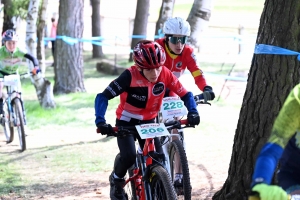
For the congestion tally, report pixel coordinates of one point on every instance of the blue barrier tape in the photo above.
(269, 49)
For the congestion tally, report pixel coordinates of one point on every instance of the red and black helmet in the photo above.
(148, 54)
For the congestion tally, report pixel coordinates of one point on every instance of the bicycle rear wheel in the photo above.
(19, 119)
(8, 128)
(161, 184)
(130, 186)
(177, 151)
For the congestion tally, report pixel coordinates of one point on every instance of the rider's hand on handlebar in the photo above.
(105, 129)
(270, 192)
(35, 70)
(193, 118)
(208, 93)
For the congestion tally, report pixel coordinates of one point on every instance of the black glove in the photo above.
(193, 118)
(105, 129)
(208, 93)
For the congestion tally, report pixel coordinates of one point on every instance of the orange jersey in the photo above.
(187, 59)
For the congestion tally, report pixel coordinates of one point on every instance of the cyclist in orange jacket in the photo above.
(179, 57)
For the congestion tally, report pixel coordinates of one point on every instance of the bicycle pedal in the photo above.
(179, 191)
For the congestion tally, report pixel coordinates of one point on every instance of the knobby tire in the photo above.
(130, 186)
(177, 146)
(19, 117)
(161, 184)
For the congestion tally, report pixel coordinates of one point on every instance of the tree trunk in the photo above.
(198, 18)
(40, 36)
(166, 11)
(96, 28)
(271, 78)
(140, 22)
(7, 20)
(68, 64)
(43, 87)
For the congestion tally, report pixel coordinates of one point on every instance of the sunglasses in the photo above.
(175, 40)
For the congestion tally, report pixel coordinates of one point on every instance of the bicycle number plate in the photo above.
(172, 107)
(152, 130)
(11, 80)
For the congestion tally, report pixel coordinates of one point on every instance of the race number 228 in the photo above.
(172, 105)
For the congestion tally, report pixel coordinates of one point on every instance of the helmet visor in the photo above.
(175, 40)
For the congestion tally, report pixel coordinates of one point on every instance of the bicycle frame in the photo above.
(144, 162)
(14, 114)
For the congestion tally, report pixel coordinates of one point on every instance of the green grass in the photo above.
(9, 177)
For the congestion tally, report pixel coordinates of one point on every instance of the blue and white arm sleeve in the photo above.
(266, 163)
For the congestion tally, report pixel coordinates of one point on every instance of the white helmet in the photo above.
(176, 26)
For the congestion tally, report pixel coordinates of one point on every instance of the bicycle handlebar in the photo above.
(199, 99)
(130, 129)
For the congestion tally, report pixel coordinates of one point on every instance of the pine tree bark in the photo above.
(198, 19)
(43, 86)
(166, 11)
(140, 22)
(7, 20)
(271, 78)
(40, 35)
(96, 28)
(68, 64)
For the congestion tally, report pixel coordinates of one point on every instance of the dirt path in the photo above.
(208, 151)
(208, 155)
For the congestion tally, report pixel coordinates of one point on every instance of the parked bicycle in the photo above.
(174, 145)
(148, 177)
(13, 110)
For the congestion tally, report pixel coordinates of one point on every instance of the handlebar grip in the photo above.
(184, 121)
(199, 97)
(114, 128)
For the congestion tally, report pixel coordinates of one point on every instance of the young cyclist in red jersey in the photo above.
(180, 56)
(141, 88)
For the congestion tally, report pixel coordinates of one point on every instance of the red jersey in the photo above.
(139, 98)
(187, 59)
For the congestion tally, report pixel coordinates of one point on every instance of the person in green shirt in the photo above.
(283, 147)
(11, 57)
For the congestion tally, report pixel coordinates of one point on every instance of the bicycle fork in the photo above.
(141, 161)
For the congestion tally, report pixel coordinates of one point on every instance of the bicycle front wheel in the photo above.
(161, 184)
(177, 152)
(19, 119)
(8, 127)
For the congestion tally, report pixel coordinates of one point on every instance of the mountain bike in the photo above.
(13, 110)
(148, 178)
(174, 145)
